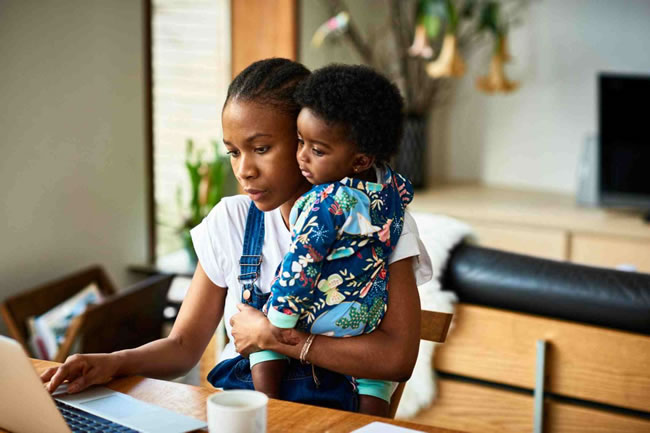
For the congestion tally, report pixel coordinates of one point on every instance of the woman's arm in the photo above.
(172, 356)
(388, 353)
(197, 320)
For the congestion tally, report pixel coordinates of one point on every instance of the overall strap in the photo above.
(251, 258)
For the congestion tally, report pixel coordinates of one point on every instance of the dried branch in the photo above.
(514, 9)
(352, 34)
(401, 46)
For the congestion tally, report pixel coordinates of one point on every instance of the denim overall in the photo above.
(333, 390)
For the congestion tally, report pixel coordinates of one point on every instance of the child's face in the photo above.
(325, 153)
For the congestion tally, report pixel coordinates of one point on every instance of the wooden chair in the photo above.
(123, 320)
(434, 326)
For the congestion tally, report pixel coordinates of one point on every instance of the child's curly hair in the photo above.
(360, 99)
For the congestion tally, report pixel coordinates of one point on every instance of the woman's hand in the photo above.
(249, 327)
(284, 335)
(81, 371)
(252, 332)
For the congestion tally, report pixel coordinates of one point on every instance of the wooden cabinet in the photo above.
(471, 407)
(542, 224)
(585, 362)
(608, 251)
(540, 242)
(597, 379)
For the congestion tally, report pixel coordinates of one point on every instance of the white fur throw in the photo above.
(439, 234)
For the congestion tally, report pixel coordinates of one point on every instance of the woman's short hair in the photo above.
(269, 82)
(360, 99)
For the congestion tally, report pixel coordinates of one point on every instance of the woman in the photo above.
(259, 125)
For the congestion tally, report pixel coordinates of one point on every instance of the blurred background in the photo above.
(100, 98)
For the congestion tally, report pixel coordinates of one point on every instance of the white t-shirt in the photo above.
(218, 241)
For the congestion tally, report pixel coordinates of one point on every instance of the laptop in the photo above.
(26, 406)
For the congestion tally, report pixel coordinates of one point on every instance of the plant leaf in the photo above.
(489, 19)
(452, 16)
(468, 10)
(432, 25)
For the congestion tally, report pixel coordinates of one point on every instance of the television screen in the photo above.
(624, 124)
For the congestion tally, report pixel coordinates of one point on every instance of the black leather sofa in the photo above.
(598, 296)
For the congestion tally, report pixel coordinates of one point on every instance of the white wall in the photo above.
(72, 147)
(533, 137)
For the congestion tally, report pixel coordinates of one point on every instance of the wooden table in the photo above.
(283, 416)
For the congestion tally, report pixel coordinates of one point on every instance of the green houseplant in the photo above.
(208, 185)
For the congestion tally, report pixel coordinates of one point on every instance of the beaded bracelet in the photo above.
(305, 348)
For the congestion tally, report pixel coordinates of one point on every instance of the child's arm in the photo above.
(267, 377)
(311, 242)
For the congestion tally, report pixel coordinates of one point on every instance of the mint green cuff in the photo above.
(382, 389)
(282, 320)
(263, 356)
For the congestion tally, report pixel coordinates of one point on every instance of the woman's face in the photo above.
(261, 141)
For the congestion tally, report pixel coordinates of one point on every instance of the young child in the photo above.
(333, 280)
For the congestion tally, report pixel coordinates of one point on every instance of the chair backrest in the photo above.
(434, 326)
(34, 302)
(123, 320)
(126, 320)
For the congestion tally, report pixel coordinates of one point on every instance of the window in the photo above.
(190, 76)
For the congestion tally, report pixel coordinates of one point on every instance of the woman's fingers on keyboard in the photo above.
(56, 380)
(47, 374)
(55, 376)
(79, 384)
(70, 370)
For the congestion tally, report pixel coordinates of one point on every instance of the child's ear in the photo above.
(362, 162)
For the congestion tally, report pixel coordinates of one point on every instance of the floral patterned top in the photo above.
(333, 279)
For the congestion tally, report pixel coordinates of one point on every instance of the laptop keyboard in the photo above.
(82, 421)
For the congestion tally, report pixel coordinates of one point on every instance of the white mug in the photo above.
(237, 411)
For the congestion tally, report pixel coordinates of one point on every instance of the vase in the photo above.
(409, 160)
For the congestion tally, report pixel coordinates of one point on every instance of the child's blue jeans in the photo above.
(334, 390)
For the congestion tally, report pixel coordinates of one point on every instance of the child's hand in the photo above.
(285, 336)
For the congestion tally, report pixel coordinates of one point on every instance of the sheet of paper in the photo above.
(382, 427)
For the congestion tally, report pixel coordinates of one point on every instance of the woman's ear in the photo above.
(362, 162)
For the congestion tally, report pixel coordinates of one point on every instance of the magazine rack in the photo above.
(123, 320)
